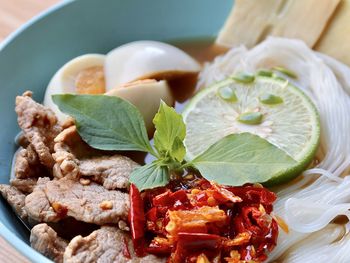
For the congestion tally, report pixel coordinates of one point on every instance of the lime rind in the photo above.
(205, 107)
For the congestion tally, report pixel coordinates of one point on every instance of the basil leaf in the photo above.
(105, 122)
(242, 158)
(150, 176)
(170, 133)
(178, 150)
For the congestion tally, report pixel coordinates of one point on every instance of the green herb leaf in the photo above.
(178, 150)
(251, 118)
(242, 158)
(170, 133)
(105, 122)
(150, 176)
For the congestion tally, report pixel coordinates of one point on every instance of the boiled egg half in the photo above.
(81, 75)
(147, 59)
(139, 72)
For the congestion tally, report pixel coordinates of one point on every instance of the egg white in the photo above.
(64, 79)
(142, 59)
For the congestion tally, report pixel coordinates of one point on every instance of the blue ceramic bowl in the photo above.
(30, 56)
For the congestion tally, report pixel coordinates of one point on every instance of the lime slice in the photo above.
(292, 124)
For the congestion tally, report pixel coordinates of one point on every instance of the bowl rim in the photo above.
(17, 243)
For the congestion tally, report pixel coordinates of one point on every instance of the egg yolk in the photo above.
(90, 81)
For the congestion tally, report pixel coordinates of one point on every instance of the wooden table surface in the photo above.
(13, 13)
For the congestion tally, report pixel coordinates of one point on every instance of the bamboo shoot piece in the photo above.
(336, 38)
(251, 21)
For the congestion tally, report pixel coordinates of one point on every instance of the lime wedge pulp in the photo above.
(291, 125)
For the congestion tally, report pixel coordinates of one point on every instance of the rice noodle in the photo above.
(310, 210)
(309, 204)
(327, 245)
(340, 70)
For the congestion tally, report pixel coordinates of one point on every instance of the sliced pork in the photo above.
(112, 172)
(39, 125)
(106, 245)
(92, 203)
(46, 241)
(26, 186)
(15, 198)
(75, 159)
(38, 206)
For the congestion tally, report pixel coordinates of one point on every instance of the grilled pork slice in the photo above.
(75, 159)
(15, 198)
(112, 172)
(54, 200)
(46, 241)
(105, 245)
(27, 163)
(26, 186)
(39, 125)
(38, 206)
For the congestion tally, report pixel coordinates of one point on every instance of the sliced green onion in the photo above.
(286, 72)
(227, 93)
(270, 99)
(243, 78)
(251, 118)
(264, 73)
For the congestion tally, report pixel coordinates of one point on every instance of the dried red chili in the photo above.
(194, 243)
(221, 223)
(137, 220)
(159, 249)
